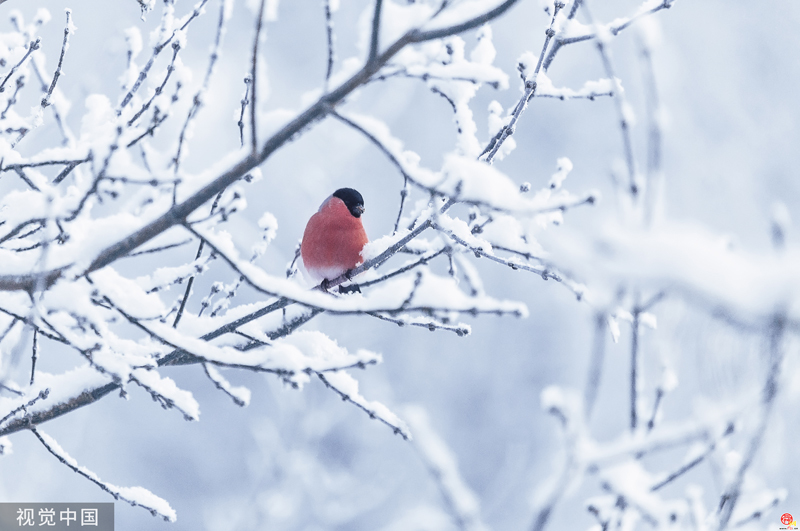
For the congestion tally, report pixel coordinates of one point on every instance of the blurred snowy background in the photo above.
(726, 73)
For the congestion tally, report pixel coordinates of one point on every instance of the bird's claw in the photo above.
(352, 288)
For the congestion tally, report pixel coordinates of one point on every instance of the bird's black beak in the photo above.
(358, 210)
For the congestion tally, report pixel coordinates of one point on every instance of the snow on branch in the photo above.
(431, 294)
(239, 395)
(569, 30)
(136, 496)
(347, 388)
(590, 89)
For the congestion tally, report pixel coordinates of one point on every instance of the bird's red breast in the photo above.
(332, 241)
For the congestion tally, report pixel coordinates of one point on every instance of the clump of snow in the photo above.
(590, 89)
(165, 387)
(564, 166)
(484, 52)
(133, 38)
(6, 447)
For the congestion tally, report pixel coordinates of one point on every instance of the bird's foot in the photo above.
(352, 288)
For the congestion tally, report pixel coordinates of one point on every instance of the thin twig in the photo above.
(330, 41)
(530, 90)
(372, 414)
(32, 47)
(683, 469)
(634, 383)
(403, 195)
(159, 249)
(595, 365)
(197, 101)
(68, 169)
(67, 460)
(622, 106)
(198, 9)
(545, 272)
(62, 125)
(43, 394)
(244, 102)
(460, 330)
(176, 47)
(57, 73)
(253, 77)
(654, 174)
(613, 29)
(13, 99)
(34, 354)
(422, 261)
(776, 351)
(27, 181)
(376, 30)
(222, 384)
(188, 290)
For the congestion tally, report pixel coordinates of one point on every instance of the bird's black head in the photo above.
(352, 200)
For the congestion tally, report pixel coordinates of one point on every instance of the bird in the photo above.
(334, 236)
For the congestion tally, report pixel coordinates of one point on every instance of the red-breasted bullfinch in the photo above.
(334, 236)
